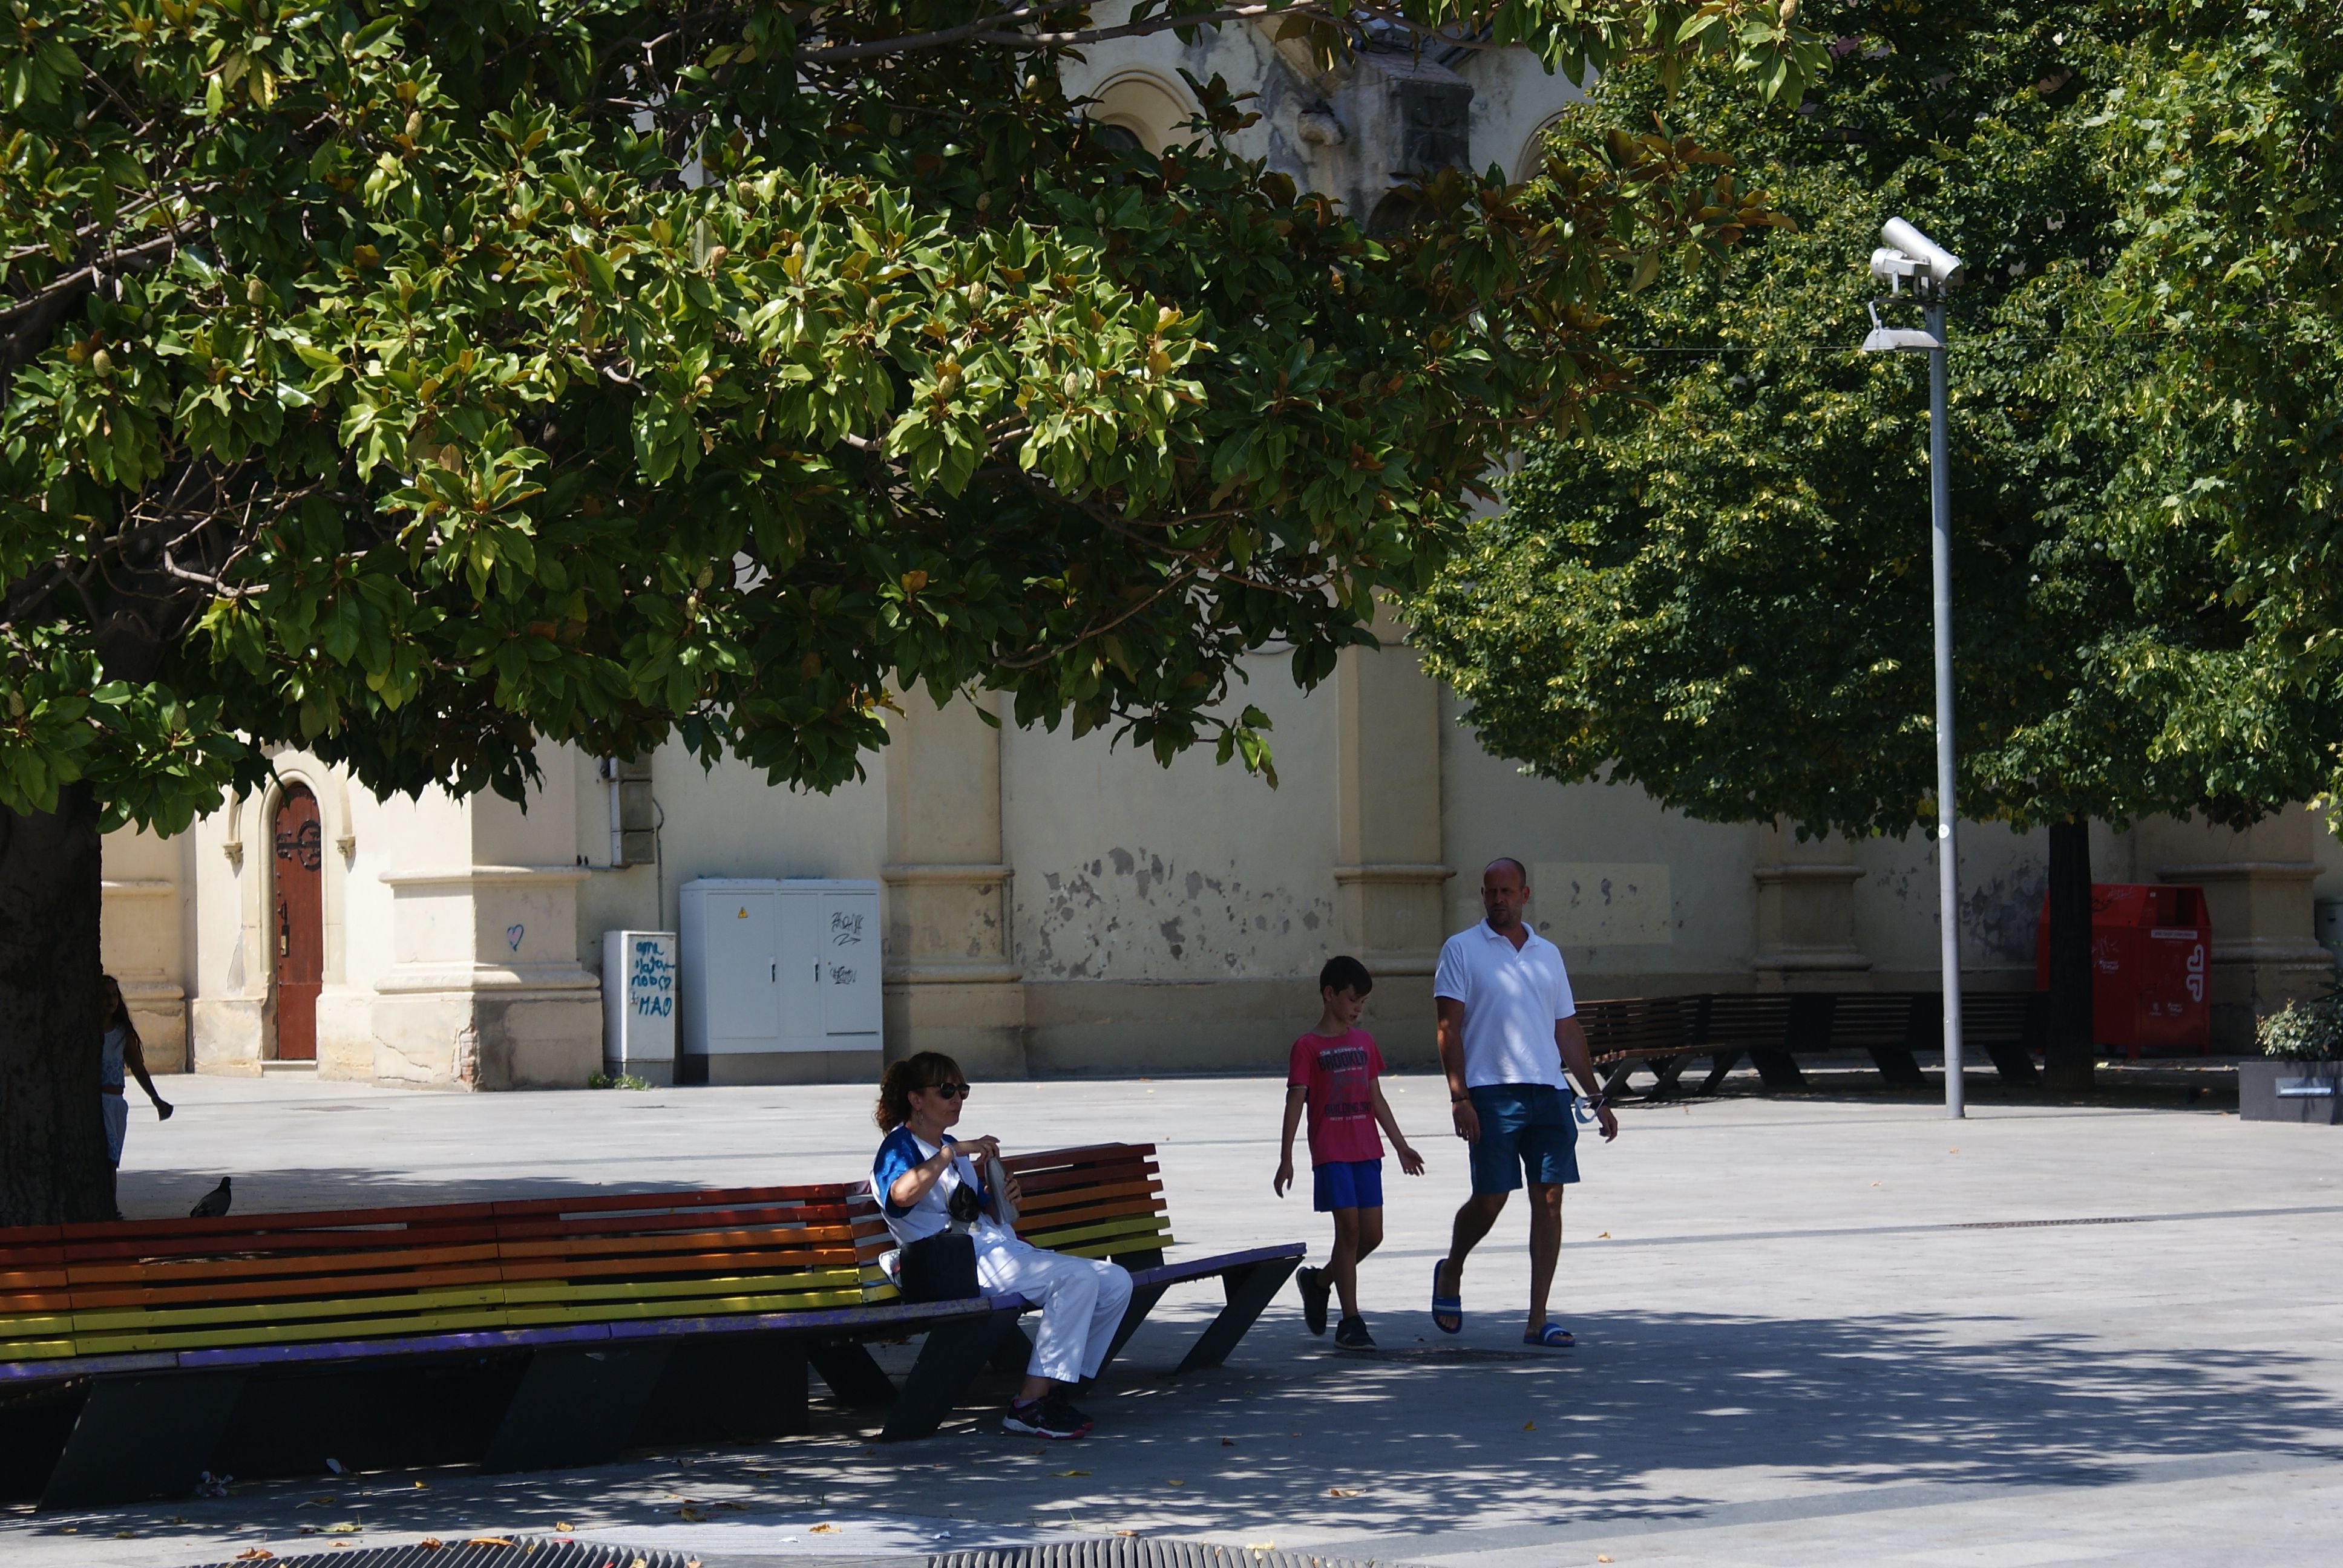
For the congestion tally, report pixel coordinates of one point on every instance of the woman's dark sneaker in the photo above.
(1315, 1288)
(1040, 1418)
(1062, 1409)
(1351, 1334)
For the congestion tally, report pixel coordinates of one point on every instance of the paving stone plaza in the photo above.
(1819, 1330)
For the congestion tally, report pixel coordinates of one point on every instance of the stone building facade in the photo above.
(1054, 905)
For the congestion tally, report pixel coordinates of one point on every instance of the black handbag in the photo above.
(938, 1268)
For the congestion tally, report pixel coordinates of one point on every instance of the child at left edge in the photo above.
(1336, 1076)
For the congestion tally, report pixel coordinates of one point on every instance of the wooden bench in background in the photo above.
(518, 1334)
(1662, 1035)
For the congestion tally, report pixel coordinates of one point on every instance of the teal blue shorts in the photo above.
(1524, 1128)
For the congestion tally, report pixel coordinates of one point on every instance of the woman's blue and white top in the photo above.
(901, 1150)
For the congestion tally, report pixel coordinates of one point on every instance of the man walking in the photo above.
(1507, 1031)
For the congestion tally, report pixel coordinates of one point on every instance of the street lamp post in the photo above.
(1909, 255)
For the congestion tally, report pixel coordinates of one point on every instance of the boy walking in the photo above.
(1336, 1074)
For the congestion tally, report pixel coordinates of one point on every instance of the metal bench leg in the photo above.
(2014, 1064)
(576, 1406)
(1666, 1075)
(1249, 1289)
(143, 1436)
(1616, 1076)
(1013, 1353)
(1899, 1066)
(1779, 1069)
(954, 1354)
(852, 1373)
(736, 1390)
(1142, 1301)
(1720, 1064)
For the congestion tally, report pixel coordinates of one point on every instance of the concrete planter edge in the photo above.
(2259, 1099)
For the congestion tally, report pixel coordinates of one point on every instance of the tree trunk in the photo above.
(2068, 1051)
(52, 1136)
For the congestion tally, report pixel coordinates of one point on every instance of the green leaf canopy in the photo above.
(414, 381)
(1725, 595)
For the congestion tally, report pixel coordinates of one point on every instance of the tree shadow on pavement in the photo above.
(1656, 1417)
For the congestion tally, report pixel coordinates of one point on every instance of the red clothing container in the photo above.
(2151, 947)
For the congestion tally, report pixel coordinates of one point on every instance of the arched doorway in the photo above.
(300, 923)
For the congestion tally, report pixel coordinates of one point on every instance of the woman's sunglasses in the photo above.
(950, 1091)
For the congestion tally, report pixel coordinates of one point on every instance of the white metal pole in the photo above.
(1949, 880)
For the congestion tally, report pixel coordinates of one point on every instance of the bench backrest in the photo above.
(1105, 1200)
(178, 1284)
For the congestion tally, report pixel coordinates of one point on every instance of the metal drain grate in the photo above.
(1141, 1553)
(513, 1552)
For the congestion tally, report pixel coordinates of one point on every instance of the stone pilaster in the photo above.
(1805, 910)
(485, 990)
(144, 939)
(953, 980)
(2258, 894)
(1390, 872)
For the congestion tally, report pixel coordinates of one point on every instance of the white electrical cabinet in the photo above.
(638, 997)
(773, 966)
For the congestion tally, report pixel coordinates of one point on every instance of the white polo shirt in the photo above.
(1511, 1000)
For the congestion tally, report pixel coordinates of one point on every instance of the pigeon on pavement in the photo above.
(213, 1204)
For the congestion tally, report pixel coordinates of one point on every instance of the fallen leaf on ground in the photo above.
(1175, 1483)
(430, 1544)
(489, 1541)
(1260, 1545)
(343, 1527)
(1600, 1558)
(1604, 1237)
(562, 1528)
(640, 1563)
(824, 1530)
(1952, 1151)
(1228, 1443)
(178, 1519)
(1529, 1426)
(126, 1535)
(324, 1499)
(1070, 1473)
(1126, 1532)
(690, 1514)
(735, 1507)
(1338, 1492)
(254, 1555)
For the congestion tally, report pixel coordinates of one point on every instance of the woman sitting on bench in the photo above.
(933, 1190)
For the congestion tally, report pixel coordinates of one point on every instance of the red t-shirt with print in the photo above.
(1338, 1073)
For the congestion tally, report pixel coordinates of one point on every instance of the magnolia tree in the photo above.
(422, 382)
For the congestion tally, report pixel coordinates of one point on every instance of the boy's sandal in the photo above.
(1553, 1336)
(1447, 1311)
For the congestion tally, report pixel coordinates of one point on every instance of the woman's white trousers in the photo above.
(1081, 1301)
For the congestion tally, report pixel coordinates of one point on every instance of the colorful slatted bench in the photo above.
(610, 1318)
(615, 1312)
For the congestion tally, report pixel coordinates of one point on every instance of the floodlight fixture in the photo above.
(1941, 265)
(1892, 340)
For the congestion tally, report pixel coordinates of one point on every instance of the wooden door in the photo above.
(300, 925)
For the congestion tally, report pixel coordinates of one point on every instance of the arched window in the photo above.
(1151, 112)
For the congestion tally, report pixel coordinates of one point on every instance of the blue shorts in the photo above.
(1348, 1184)
(1524, 1127)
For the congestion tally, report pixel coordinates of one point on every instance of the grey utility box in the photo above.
(639, 996)
(777, 967)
